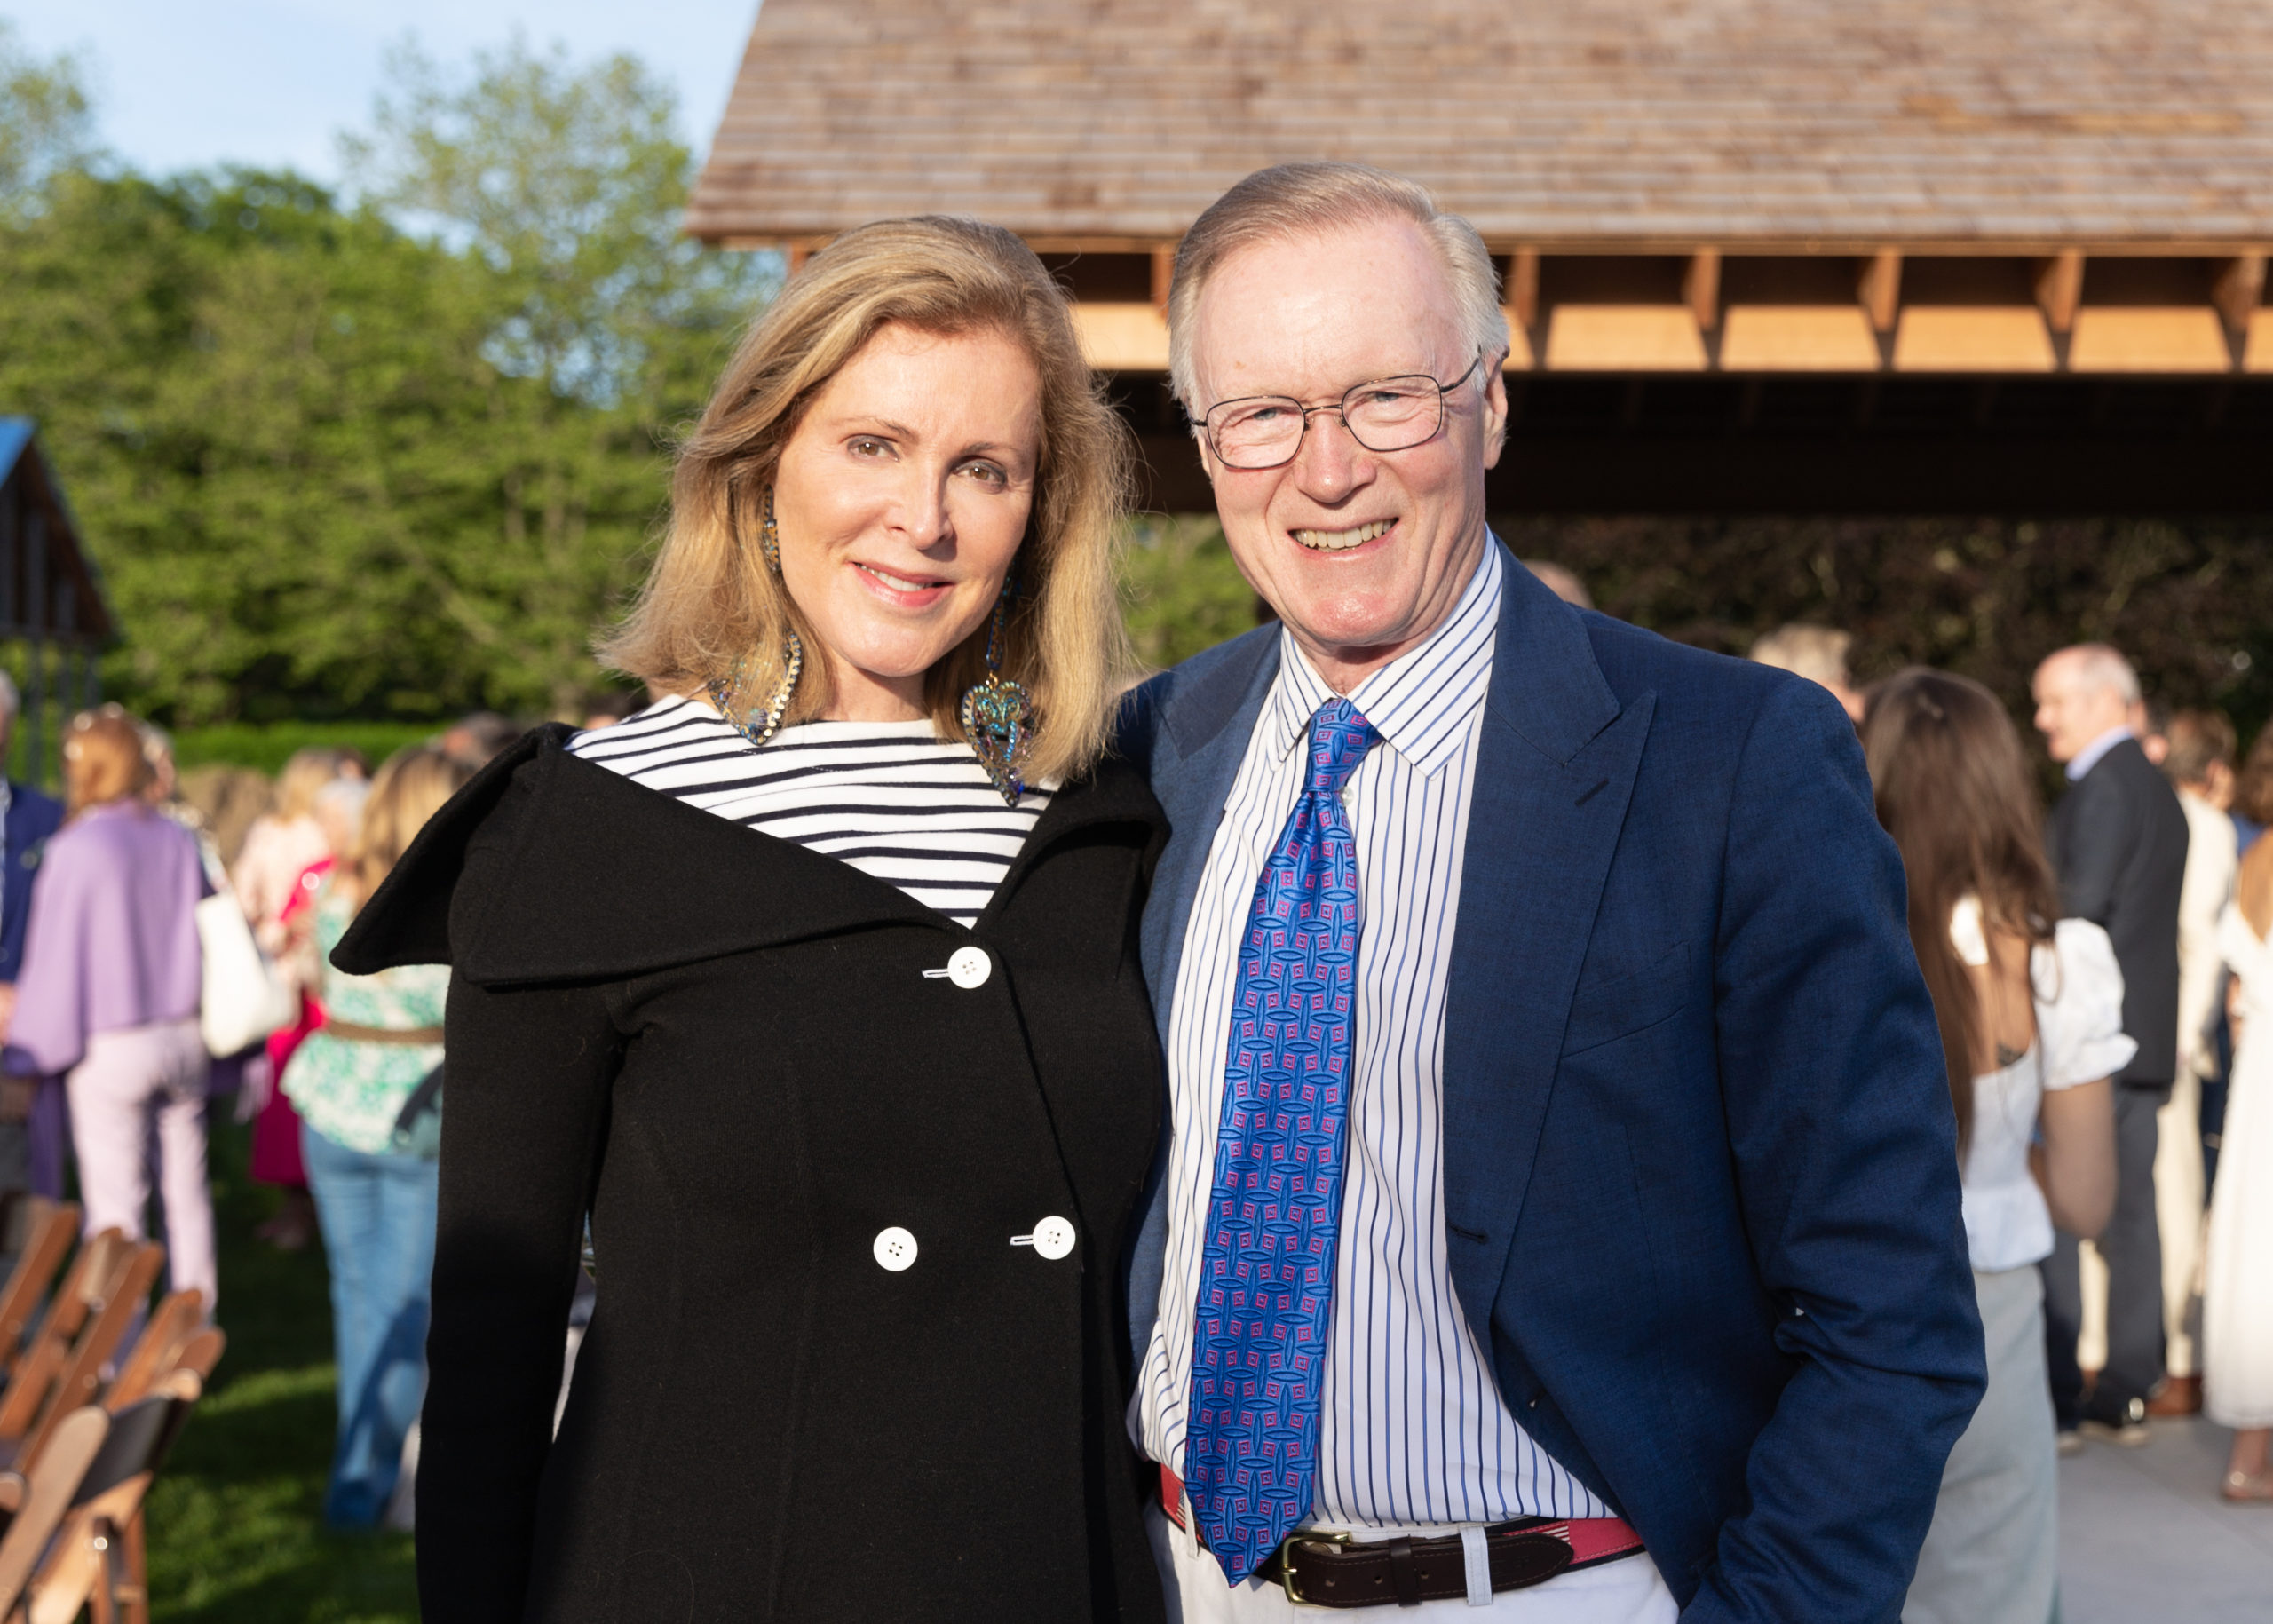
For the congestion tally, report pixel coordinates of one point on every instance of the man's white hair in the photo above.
(2101, 666)
(1296, 200)
(12, 704)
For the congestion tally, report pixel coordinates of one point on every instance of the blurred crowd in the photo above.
(2097, 970)
(2138, 910)
(164, 975)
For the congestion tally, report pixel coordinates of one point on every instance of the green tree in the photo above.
(46, 120)
(565, 185)
(1180, 590)
(394, 458)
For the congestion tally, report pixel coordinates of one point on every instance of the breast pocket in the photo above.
(1621, 1005)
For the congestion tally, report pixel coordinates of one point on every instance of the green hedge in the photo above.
(266, 745)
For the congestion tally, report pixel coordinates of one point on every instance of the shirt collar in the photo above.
(2088, 757)
(1420, 701)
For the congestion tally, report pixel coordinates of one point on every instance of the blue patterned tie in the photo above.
(1266, 1276)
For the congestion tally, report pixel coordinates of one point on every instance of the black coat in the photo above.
(2118, 843)
(725, 1047)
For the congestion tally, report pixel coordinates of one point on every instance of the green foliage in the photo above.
(330, 465)
(265, 747)
(1987, 599)
(1180, 590)
(45, 121)
(237, 1518)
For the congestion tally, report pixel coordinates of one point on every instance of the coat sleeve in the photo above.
(530, 1071)
(1839, 1117)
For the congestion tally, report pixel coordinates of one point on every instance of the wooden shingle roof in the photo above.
(1619, 122)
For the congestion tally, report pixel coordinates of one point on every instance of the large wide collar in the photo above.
(547, 868)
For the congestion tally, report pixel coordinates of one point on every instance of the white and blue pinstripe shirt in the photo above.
(1412, 1431)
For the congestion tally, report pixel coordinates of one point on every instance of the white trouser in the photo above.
(1628, 1591)
(136, 1085)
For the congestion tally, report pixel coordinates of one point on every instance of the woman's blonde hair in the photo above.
(710, 603)
(305, 772)
(102, 759)
(411, 787)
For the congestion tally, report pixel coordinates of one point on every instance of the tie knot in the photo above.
(1339, 740)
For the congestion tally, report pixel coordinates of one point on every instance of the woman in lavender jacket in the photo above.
(108, 995)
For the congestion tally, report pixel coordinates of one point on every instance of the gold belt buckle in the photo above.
(1287, 1560)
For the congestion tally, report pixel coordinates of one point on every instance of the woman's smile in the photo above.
(903, 592)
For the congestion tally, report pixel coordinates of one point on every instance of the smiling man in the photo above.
(1561, 1214)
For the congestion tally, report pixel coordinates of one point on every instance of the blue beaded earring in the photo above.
(725, 695)
(996, 712)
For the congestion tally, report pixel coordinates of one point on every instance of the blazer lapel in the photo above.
(1554, 771)
(1200, 738)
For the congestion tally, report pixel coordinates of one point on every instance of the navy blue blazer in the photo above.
(1702, 1196)
(32, 817)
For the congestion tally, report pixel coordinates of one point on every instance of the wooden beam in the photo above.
(1797, 338)
(1624, 338)
(1522, 287)
(1163, 276)
(1972, 338)
(2239, 286)
(799, 252)
(2060, 288)
(1880, 288)
(1700, 287)
(2147, 338)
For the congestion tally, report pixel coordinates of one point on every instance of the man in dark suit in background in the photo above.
(2118, 843)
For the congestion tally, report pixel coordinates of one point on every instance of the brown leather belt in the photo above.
(1334, 1570)
(354, 1033)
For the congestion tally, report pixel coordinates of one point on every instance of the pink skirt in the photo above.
(276, 1130)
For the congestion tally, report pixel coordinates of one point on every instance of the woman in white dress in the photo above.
(2238, 1281)
(2031, 1020)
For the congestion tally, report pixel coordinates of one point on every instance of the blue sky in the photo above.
(183, 83)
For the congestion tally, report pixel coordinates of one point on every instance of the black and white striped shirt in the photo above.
(893, 799)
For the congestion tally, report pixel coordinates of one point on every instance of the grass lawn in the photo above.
(235, 1526)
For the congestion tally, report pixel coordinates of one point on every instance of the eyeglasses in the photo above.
(1390, 414)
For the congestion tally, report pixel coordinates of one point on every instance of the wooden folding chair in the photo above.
(86, 1319)
(195, 1355)
(49, 1232)
(158, 1350)
(81, 1380)
(89, 1566)
(44, 1501)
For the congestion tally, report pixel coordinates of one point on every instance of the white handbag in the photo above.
(244, 999)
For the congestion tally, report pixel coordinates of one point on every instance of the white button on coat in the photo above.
(969, 967)
(895, 1248)
(1053, 1239)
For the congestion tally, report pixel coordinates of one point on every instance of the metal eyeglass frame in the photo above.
(1339, 408)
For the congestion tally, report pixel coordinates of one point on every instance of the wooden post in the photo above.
(1522, 287)
(1163, 276)
(35, 711)
(2240, 284)
(1700, 287)
(1880, 290)
(2060, 288)
(33, 611)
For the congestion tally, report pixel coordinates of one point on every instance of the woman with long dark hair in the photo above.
(2031, 1011)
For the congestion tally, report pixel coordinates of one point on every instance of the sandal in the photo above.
(2247, 1486)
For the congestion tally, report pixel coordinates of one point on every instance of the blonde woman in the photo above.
(109, 993)
(350, 1080)
(281, 844)
(815, 988)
